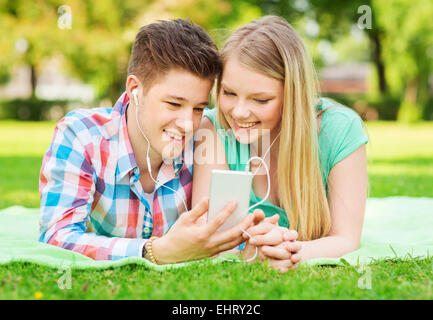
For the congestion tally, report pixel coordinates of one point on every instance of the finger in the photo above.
(213, 225)
(290, 235)
(261, 228)
(271, 238)
(228, 245)
(198, 211)
(295, 258)
(276, 252)
(232, 234)
(274, 219)
(293, 247)
(259, 215)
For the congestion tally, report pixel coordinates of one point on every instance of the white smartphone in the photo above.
(227, 185)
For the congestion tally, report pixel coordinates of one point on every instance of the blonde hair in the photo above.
(272, 47)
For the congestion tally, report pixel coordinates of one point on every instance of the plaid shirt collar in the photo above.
(116, 128)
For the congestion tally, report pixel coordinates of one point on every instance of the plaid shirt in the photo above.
(91, 199)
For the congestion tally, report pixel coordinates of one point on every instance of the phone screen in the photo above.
(228, 185)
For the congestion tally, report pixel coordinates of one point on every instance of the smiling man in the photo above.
(117, 182)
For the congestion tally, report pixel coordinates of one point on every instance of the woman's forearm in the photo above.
(327, 247)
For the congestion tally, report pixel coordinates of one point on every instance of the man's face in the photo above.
(171, 110)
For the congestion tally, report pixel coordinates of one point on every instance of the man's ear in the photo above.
(132, 83)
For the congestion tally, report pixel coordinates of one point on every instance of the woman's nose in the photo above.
(240, 110)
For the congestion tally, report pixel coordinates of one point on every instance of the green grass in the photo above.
(400, 162)
(410, 279)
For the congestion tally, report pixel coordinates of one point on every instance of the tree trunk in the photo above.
(374, 34)
(33, 80)
(377, 59)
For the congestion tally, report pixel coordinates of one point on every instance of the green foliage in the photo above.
(32, 109)
(97, 47)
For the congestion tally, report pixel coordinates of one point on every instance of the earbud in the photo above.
(134, 93)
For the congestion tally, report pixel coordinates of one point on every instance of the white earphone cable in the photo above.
(149, 168)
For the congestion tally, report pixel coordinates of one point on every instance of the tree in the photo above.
(400, 36)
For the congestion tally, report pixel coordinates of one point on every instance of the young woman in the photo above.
(267, 100)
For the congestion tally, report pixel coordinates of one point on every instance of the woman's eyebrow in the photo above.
(251, 94)
(226, 86)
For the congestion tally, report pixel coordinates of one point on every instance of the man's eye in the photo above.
(199, 109)
(174, 104)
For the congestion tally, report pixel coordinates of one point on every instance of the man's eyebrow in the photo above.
(170, 96)
(205, 103)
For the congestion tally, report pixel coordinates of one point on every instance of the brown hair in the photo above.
(161, 46)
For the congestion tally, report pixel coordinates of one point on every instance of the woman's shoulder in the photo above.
(336, 111)
(211, 114)
(342, 130)
(337, 119)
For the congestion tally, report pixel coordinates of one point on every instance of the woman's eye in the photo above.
(262, 101)
(199, 109)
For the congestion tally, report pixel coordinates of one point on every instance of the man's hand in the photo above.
(190, 238)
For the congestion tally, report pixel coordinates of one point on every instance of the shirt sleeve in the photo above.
(66, 187)
(349, 135)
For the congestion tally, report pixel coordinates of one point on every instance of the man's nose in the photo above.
(185, 121)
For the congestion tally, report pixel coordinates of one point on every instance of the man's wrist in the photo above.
(158, 251)
(147, 250)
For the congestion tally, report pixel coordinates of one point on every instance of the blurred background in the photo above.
(374, 56)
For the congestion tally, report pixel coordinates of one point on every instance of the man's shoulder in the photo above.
(91, 122)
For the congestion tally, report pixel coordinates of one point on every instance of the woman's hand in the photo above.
(275, 244)
(189, 239)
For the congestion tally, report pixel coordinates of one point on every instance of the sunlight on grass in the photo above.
(25, 138)
(389, 140)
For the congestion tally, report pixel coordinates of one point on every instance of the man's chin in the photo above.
(172, 153)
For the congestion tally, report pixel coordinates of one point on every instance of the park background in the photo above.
(373, 56)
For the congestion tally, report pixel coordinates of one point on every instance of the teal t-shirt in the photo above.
(341, 133)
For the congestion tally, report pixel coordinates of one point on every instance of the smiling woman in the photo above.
(317, 159)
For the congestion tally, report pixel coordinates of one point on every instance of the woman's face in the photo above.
(250, 101)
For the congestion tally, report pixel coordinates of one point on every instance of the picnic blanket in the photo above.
(394, 228)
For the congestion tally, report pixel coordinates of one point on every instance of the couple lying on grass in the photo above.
(133, 180)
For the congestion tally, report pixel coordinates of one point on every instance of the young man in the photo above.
(114, 177)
